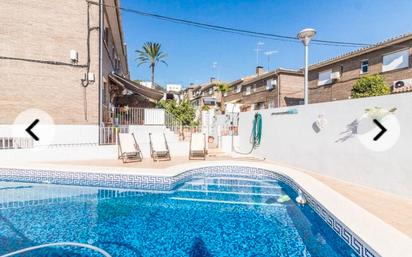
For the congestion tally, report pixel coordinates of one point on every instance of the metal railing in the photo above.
(59, 244)
(136, 116)
(172, 123)
(15, 142)
(142, 116)
(108, 135)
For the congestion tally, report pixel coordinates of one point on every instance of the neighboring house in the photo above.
(333, 79)
(277, 88)
(174, 91)
(176, 88)
(204, 95)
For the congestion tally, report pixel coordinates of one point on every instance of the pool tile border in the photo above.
(166, 183)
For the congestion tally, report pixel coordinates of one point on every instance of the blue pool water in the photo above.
(217, 216)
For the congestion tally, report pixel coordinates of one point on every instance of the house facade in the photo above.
(334, 79)
(47, 69)
(277, 88)
(206, 94)
(60, 56)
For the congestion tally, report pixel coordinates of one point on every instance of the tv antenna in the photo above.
(259, 48)
(269, 54)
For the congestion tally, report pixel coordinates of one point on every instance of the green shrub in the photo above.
(371, 85)
(184, 112)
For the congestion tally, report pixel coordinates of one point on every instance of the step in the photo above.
(228, 196)
(228, 193)
(268, 189)
(188, 199)
(234, 181)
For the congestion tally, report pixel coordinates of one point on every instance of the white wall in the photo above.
(89, 134)
(291, 139)
(63, 134)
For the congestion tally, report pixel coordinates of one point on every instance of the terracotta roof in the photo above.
(364, 50)
(253, 78)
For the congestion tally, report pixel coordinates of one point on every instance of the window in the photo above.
(238, 89)
(397, 60)
(364, 66)
(324, 78)
(270, 84)
(254, 88)
(210, 91)
(248, 90)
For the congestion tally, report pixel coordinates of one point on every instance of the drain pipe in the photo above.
(29, 249)
(101, 34)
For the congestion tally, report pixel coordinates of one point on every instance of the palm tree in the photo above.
(151, 54)
(222, 88)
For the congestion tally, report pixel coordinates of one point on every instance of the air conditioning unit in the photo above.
(335, 75)
(271, 84)
(74, 56)
(402, 83)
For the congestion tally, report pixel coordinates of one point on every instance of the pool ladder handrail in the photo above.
(32, 248)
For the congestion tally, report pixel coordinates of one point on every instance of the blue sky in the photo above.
(192, 51)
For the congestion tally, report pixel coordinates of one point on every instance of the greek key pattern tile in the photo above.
(163, 183)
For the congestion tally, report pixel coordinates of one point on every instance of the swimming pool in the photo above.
(202, 216)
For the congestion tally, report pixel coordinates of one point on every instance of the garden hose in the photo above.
(256, 134)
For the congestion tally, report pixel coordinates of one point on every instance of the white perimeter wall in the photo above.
(291, 139)
(64, 134)
(88, 134)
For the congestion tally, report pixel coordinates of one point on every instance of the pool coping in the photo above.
(365, 233)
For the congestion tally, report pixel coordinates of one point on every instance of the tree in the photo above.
(183, 112)
(222, 88)
(151, 54)
(205, 108)
(372, 85)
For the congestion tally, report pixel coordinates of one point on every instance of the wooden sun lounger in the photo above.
(128, 149)
(197, 148)
(159, 149)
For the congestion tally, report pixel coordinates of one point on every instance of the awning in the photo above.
(151, 94)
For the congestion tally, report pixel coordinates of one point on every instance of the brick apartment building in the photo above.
(333, 79)
(49, 49)
(46, 52)
(277, 88)
(206, 94)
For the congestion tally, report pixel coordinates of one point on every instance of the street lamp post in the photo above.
(305, 36)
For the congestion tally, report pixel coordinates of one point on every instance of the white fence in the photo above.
(15, 142)
(137, 116)
(335, 150)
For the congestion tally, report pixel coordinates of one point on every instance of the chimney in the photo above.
(213, 80)
(259, 70)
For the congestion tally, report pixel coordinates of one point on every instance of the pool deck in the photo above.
(383, 220)
(397, 211)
